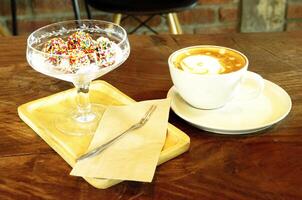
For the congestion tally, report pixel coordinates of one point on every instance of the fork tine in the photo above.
(148, 114)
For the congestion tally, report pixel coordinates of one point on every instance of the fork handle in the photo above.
(101, 148)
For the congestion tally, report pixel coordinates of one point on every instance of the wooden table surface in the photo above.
(267, 165)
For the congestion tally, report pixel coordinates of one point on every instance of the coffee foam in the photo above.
(209, 60)
(201, 64)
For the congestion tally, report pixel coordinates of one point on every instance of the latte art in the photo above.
(209, 60)
(201, 64)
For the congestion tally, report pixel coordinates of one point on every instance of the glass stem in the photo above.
(84, 113)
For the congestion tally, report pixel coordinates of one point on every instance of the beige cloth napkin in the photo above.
(135, 155)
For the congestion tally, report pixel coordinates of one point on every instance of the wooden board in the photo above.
(40, 115)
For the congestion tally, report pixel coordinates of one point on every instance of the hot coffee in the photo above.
(209, 60)
(207, 76)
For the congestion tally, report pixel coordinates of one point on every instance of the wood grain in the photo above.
(267, 165)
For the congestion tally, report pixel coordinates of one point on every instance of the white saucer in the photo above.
(237, 117)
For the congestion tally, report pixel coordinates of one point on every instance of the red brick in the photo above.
(28, 26)
(228, 14)
(294, 26)
(216, 1)
(130, 22)
(294, 11)
(197, 16)
(51, 6)
(5, 8)
(231, 28)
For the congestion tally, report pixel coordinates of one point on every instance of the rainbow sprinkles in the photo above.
(79, 51)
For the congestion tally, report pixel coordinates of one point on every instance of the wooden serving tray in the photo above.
(40, 115)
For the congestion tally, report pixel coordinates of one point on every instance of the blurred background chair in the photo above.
(13, 7)
(123, 9)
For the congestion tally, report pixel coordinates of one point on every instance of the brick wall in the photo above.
(294, 15)
(210, 16)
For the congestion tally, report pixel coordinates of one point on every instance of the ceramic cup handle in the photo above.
(250, 88)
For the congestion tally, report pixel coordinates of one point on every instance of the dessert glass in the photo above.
(83, 119)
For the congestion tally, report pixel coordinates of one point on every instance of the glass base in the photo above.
(74, 124)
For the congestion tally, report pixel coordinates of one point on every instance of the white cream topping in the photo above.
(201, 64)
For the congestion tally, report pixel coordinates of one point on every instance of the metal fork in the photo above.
(138, 125)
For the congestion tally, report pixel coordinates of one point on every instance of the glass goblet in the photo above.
(78, 59)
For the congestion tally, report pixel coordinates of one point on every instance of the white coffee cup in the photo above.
(210, 91)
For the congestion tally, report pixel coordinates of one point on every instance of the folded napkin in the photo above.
(135, 155)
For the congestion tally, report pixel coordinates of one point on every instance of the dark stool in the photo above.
(134, 8)
(13, 7)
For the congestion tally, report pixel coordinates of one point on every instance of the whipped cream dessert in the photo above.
(79, 54)
(201, 64)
